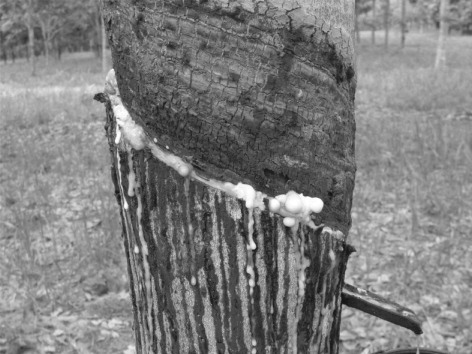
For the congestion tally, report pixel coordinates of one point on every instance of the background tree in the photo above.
(373, 21)
(362, 7)
(422, 17)
(10, 29)
(52, 16)
(460, 16)
(440, 61)
(54, 25)
(104, 46)
(92, 8)
(386, 22)
(29, 8)
(18, 16)
(49, 25)
(403, 23)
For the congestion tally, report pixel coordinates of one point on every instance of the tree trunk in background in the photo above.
(403, 24)
(357, 29)
(249, 92)
(46, 52)
(422, 15)
(46, 41)
(440, 61)
(58, 45)
(386, 22)
(30, 27)
(47, 34)
(374, 21)
(3, 48)
(104, 46)
(96, 40)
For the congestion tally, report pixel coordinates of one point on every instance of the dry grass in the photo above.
(412, 213)
(59, 229)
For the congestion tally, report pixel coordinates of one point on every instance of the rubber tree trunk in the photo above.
(30, 28)
(46, 50)
(103, 46)
(440, 61)
(386, 22)
(374, 21)
(356, 24)
(403, 24)
(254, 93)
(422, 15)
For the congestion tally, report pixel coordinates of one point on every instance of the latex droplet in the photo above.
(274, 205)
(289, 222)
(184, 170)
(316, 205)
(294, 203)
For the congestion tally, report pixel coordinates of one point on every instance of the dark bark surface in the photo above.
(246, 93)
(175, 230)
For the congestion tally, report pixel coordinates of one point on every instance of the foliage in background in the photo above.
(59, 25)
(420, 13)
(69, 25)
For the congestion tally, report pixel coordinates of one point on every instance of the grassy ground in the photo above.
(62, 288)
(62, 282)
(412, 212)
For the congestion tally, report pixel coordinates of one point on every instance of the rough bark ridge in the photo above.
(186, 246)
(253, 92)
(260, 93)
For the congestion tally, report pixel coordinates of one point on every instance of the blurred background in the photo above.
(63, 283)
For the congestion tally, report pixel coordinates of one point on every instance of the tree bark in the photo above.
(386, 22)
(30, 28)
(96, 40)
(3, 48)
(46, 42)
(253, 93)
(357, 29)
(48, 31)
(403, 24)
(374, 21)
(104, 45)
(421, 10)
(440, 61)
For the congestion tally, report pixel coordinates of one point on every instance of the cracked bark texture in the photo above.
(254, 92)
